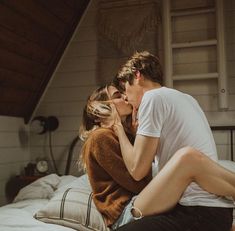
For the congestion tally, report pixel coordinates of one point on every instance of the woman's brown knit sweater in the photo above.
(110, 180)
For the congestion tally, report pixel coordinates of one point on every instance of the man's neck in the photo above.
(149, 85)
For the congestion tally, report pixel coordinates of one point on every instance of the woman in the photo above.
(113, 187)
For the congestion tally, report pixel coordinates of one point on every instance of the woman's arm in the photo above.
(106, 151)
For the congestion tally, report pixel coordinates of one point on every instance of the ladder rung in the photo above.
(210, 42)
(192, 11)
(213, 75)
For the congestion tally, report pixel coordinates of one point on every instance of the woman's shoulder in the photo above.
(102, 133)
(99, 140)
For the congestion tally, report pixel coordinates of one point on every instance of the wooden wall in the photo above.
(72, 82)
(194, 60)
(14, 155)
(209, 103)
(33, 36)
(76, 77)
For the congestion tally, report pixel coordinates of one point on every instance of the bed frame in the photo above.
(226, 128)
(70, 154)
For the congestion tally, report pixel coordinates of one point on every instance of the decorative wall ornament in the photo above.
(125, 22)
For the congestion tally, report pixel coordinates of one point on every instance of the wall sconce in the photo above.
(42, 124)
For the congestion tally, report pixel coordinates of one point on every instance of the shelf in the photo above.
(213, 75)
(189, 12)
(217, 43)
(210, 42)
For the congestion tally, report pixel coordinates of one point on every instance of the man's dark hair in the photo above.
(147, 64)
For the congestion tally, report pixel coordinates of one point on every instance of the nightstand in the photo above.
(15, 183)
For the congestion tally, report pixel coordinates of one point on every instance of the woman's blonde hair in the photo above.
(97, 113)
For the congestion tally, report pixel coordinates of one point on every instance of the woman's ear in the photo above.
(137, 75)
(97, 120)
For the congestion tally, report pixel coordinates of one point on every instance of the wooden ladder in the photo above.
(219, 43)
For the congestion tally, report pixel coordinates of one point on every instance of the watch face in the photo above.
(42, 166)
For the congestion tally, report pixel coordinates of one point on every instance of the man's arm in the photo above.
(104, 150)
(138, 158)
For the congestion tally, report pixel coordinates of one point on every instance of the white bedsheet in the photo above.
(19, 217)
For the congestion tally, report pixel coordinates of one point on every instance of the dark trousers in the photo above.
(185, 218)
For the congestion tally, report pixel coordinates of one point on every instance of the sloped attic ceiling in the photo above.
(33, 36)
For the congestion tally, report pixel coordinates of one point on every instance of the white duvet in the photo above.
(18, 216)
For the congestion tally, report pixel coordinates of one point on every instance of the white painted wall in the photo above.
(13, 155)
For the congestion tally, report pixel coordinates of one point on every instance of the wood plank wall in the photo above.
(228, 117)
(194, 60)
(33, 35)
(76, 77)
(13, 156)
(73, 81)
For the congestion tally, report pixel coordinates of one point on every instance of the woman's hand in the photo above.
(117, 125)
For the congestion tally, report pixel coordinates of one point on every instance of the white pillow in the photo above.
(66, 179)
(43, 188)
(73, 208)
(75, 182)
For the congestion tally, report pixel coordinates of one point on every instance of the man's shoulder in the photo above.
(170, 93)
(159, 94)
(161, 91)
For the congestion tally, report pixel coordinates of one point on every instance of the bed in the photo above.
(58, 203)
(53, 203)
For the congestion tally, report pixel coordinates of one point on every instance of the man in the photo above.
(167, 121)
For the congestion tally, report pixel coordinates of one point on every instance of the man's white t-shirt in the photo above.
(179, 121)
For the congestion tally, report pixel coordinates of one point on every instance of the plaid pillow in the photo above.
(73, 208)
